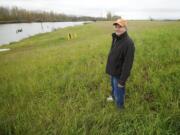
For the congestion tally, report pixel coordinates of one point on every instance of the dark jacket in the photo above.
(121, 57)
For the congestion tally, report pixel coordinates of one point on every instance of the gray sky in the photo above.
(129, 9)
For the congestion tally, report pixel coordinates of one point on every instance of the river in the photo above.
(17, 31)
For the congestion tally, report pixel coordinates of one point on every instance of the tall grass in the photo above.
(50, 85)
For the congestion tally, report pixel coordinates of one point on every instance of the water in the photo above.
(17, 31)
(2, 50)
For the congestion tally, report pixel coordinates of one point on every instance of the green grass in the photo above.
(53, 86)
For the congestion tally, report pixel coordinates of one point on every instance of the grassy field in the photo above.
(53, 86)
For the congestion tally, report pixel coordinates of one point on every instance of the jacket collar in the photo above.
(125, 34)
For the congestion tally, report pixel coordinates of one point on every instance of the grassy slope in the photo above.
(51, 85)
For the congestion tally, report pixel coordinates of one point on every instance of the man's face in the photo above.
(119, 29)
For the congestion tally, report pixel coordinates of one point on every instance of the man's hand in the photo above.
(121, 84)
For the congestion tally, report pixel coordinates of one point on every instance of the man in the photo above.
(120, 61)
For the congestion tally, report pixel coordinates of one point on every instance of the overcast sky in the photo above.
(129, 9)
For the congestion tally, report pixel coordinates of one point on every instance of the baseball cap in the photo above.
(121, 22)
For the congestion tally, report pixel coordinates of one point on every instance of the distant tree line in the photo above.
(15, 14)
(111, 17)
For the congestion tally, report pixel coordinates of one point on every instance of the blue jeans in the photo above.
(118, 93)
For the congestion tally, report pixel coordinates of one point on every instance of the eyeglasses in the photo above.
(118, 26)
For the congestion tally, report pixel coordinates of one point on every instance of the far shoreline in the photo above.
(15, 22)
